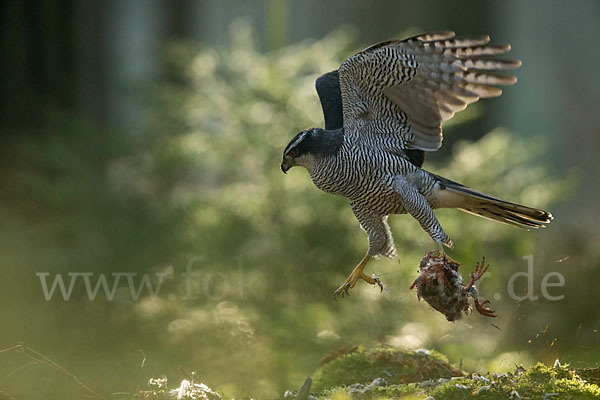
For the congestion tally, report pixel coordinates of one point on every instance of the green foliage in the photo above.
(196, 182)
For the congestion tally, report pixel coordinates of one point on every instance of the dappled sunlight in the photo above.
(507, 361)
(412, 336)
(252, 255)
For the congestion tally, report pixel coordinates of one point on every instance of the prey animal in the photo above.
(440, 284)
(383, 109)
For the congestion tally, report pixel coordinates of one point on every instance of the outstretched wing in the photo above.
(405, 89)
(328, 88)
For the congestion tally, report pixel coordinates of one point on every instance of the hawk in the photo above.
(384, 109)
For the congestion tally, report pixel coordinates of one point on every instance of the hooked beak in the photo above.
(285, 165)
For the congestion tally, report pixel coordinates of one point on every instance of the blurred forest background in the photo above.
(145, 137)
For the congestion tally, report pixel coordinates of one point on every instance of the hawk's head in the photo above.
(302, 149)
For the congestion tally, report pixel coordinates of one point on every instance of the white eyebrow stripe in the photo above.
(295, 142)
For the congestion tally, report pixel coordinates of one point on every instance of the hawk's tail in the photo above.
(491, 207)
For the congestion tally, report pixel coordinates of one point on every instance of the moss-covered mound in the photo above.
(384, 373)
(538, 382)
(395, 366)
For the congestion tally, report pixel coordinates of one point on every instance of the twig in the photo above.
(37, 357)
(12, 348)
(27, 364)
(144, 360)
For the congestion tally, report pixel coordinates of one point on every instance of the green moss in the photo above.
(395, 366)
(404, 392)
(592, 375)
(417, 375)
(537, 382)
(397, 391)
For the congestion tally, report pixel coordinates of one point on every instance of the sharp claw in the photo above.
(378, 282)
(485, 311)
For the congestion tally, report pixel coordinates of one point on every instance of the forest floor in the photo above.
(389, 373)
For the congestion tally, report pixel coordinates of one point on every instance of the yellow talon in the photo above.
(357, 273)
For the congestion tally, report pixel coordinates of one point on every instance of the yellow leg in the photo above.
(357, 273)
(441, 249)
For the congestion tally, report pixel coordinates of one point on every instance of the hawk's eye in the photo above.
(292, 153)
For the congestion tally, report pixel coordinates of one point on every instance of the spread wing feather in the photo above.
(401, 91)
